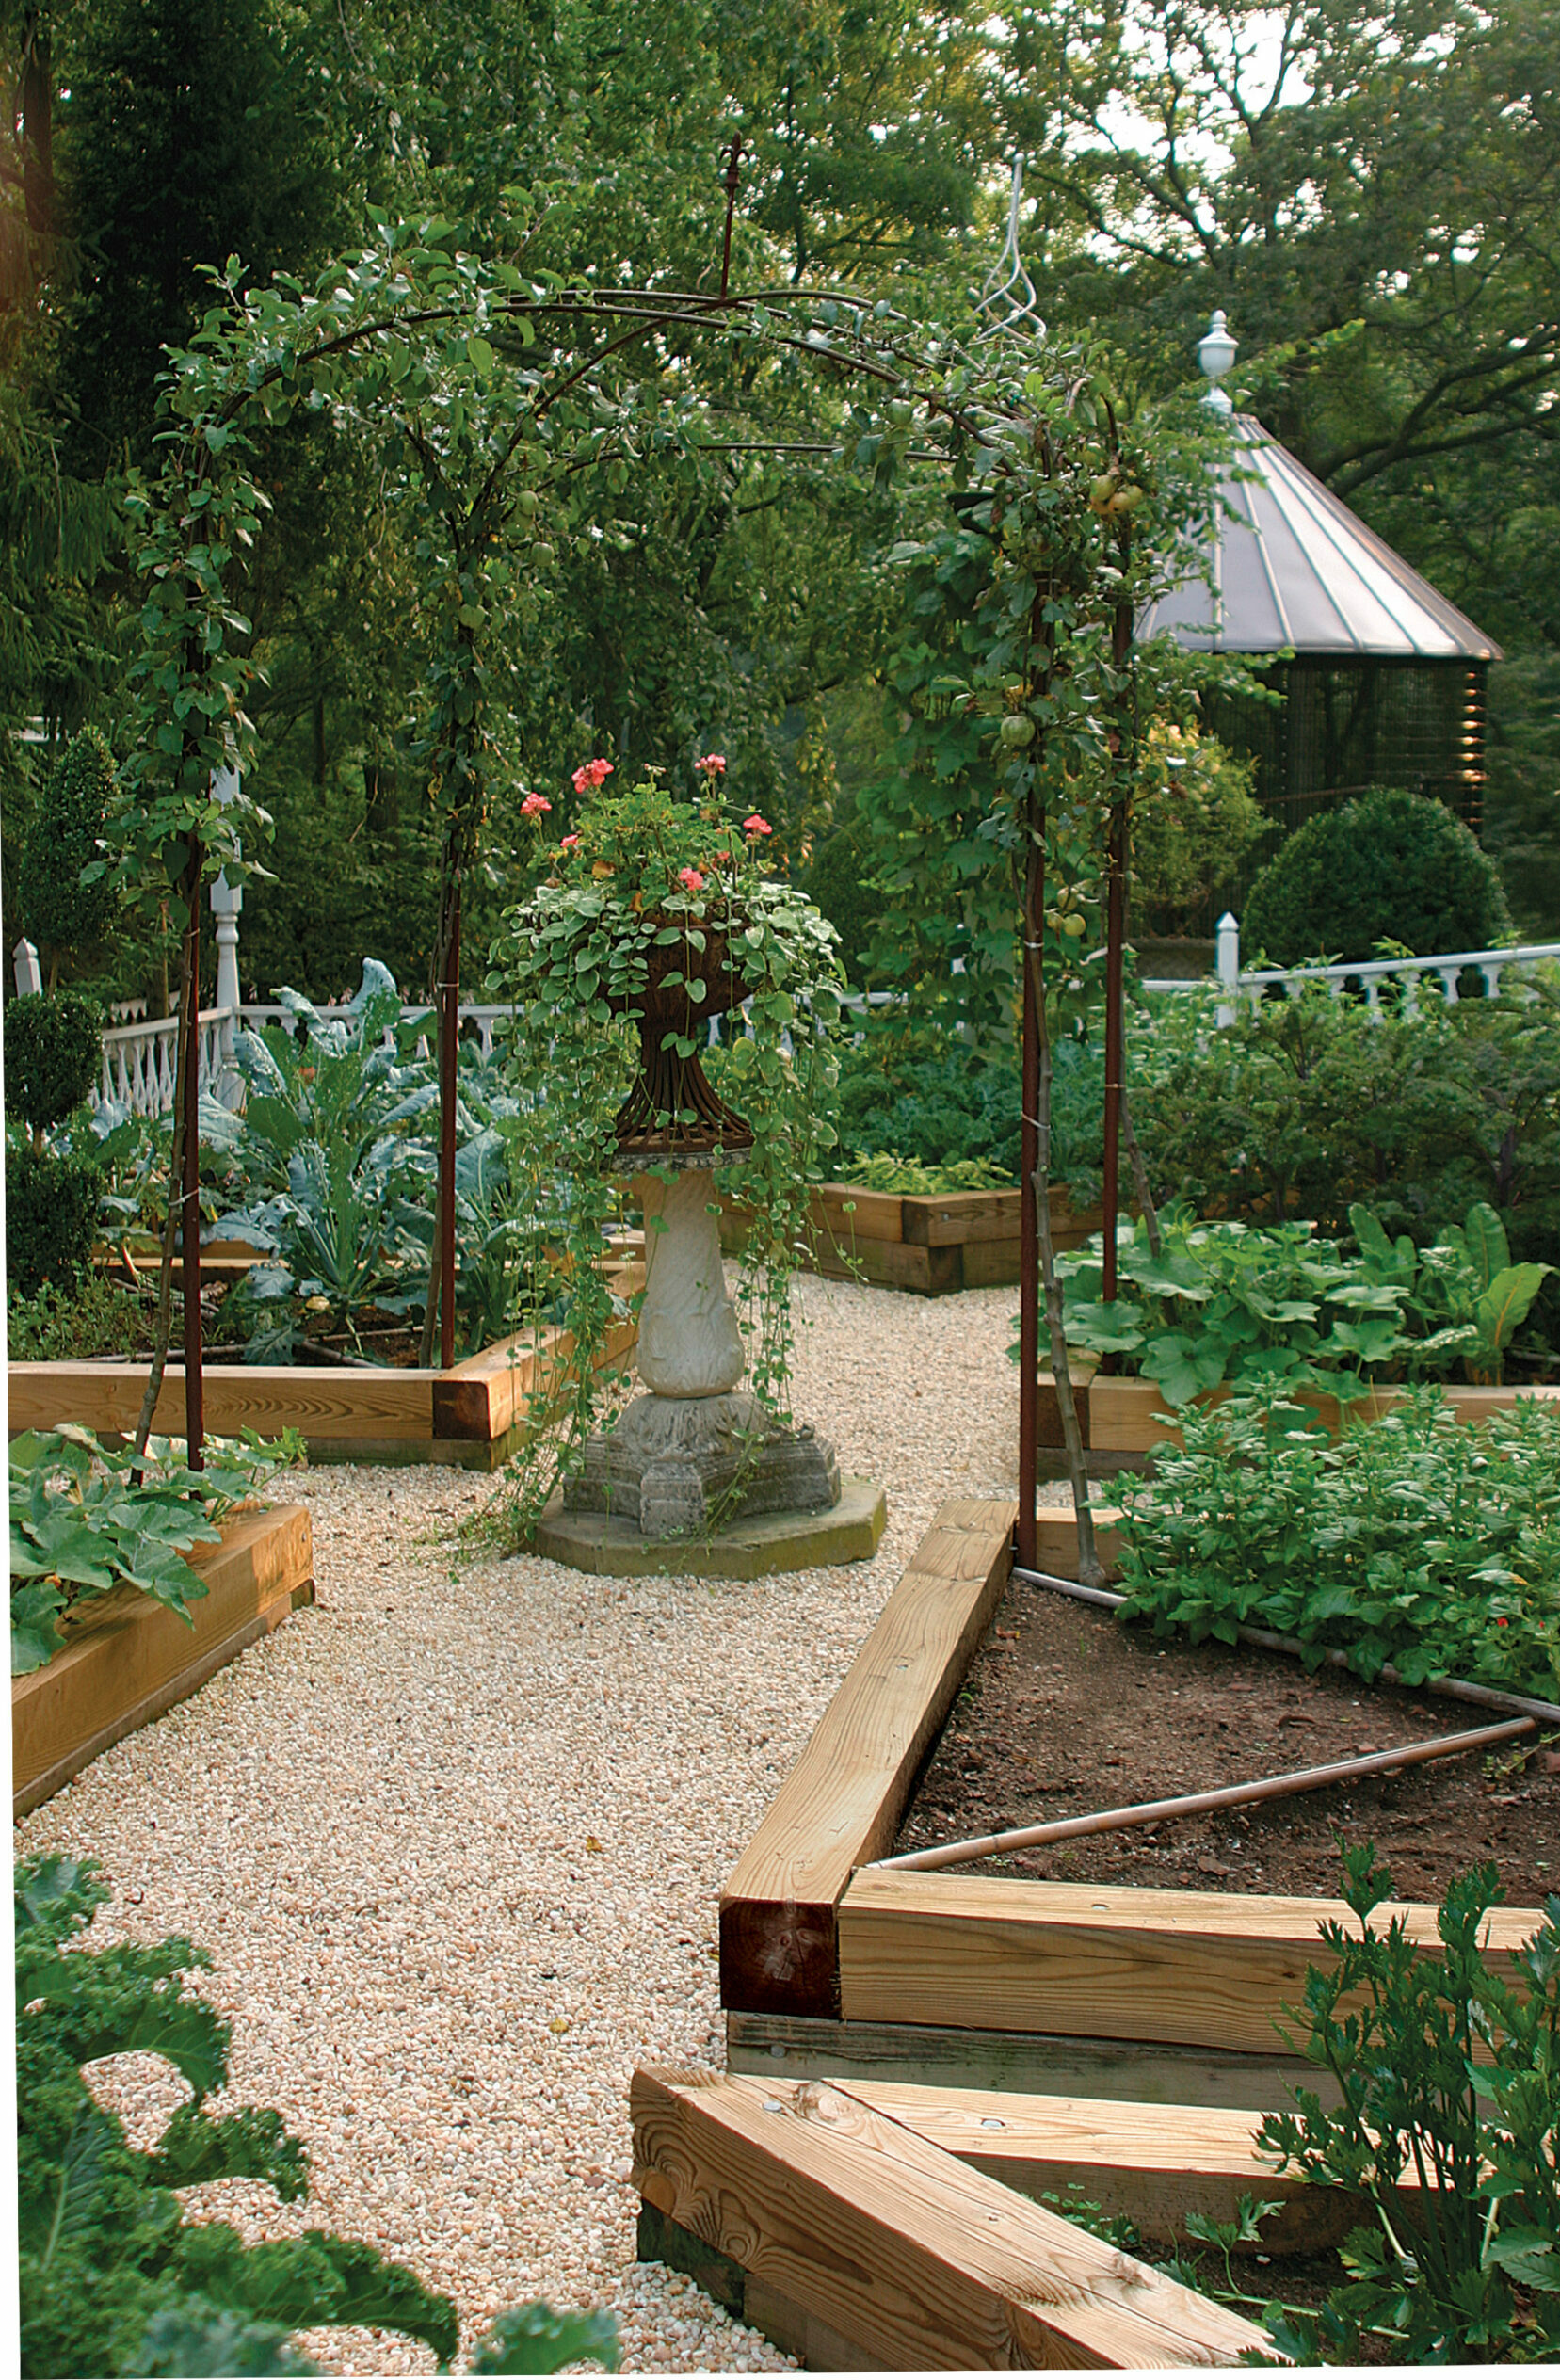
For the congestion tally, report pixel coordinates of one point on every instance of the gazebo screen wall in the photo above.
(1348, 724)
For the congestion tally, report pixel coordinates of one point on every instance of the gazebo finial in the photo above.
(1217, 353)
(1010, 296)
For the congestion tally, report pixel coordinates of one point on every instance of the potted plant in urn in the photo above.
(657, 914)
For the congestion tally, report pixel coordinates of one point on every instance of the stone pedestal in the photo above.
(673, 1463)
(696, 1453)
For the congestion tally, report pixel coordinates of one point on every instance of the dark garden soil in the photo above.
(1066, 1712)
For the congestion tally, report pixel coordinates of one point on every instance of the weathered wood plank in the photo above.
(1155, 2166)
(135, 1660)
(269, 1398)
(849, 1211)
(1123, 1963)
(1164, 2073)
(1057, 1538)
(930, 1271)
(843, 1800)
(956, 1218)
(898, 2248)
(1129, 1416)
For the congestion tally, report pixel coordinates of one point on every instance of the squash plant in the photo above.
(86, 1520)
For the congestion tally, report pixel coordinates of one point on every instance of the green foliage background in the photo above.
(1412, 368)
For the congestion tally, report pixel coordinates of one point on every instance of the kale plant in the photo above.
(113, 2278)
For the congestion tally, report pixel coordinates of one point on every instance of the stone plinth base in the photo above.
(755, 1547)
(674, 1464)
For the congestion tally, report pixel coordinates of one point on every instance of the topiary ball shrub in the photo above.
(54, 1049)
(1391, 866)
(51, 1218)
(58, 909)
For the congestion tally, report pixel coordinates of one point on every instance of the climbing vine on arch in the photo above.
(496, 396)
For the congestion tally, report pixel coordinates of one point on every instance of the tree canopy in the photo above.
(1367, 193)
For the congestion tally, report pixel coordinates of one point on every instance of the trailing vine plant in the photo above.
(656, 890)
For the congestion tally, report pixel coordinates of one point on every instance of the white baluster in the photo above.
(1449, 979)
(1227, 962)
(27, 976)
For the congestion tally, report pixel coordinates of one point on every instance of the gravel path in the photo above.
(455, 1839)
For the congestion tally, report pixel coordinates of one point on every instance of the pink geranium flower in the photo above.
(691, 878)
(594, 773)
(533, 806)
(713, 764)
(757, 825)
(569, 842)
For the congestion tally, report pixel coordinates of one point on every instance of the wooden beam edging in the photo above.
(135, 1659)
(1114, 1962)
(1154, 2165)
(384, 1414)
(843, 1802)
(834, 2212)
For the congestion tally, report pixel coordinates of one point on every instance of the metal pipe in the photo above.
(1029, 1241)
(189, 1213)
(449, 1052)
(1262, 1788)
(1455, 1689)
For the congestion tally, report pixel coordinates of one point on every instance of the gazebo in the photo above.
(1387, 682)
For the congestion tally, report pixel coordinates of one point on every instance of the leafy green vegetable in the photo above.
(1414, 1539)
(1446, 2076)
(1249, 1306)
(113, 2278)
(535, 2339)
(86, 1520)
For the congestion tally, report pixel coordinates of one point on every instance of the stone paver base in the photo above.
(753, 1548)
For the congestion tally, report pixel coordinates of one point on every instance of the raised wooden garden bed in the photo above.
(1124, 1419)
(471, 1414)
(828, 1966)
(963, 1239)
(132, 1659)
(911, 2051)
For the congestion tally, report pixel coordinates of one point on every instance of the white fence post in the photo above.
(1228, 965)
(27, 976)
(226, 901)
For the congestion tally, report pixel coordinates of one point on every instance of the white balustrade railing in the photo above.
(140, 1060)
(1366, 975)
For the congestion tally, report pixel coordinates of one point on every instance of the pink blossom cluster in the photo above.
(533, 806)
(713, 764)
(594, 773)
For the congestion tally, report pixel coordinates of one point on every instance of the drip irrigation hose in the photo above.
(1458, 1689)
(1262, 1788)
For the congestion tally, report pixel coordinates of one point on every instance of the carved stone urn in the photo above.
(695, 1452)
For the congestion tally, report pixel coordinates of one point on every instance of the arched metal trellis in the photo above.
(419, 341)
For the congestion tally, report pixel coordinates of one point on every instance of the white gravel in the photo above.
(455, 1839)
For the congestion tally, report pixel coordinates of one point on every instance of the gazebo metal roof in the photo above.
(1293, 567)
